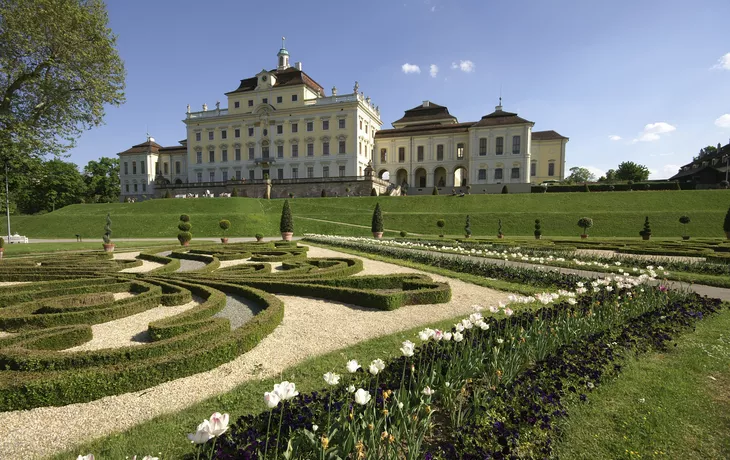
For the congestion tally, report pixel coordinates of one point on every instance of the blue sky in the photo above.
(655, 74)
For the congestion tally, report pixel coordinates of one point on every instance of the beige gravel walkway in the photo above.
(146, 266)
(310, 327)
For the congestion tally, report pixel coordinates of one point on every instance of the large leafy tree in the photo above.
(578, 174)
(102, 180)
(54, 184)
(628, 170)
(58, 69)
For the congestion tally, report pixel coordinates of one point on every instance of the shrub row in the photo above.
(639, 186)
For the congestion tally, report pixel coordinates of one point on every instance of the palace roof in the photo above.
(501, 118)
(287, 77)
(428, 111)
(546, 136)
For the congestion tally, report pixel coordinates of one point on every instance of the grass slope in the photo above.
(614, 214)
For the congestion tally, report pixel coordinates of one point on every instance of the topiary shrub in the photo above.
(441, 224)
(505, 190)
(224, 225)
(499, 229)
(324, 193)
(435, 191)
(185, 218)
(377, 222)
(234, 193)
(286, 224)
(168, 194)
(108, 230)
(184, 236)
(726, 224)
(259, 236)
(585, 223)
(538, 229)
(373, 192)
(646, 231)
(684, 220)
(403, 234)
(467, 227)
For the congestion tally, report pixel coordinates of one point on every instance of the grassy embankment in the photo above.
(615, 214)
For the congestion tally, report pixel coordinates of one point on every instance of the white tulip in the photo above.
(362, 397)
(202, 435)
(373, 369)
(218, 424)
(85, 457)
(447, 336)
(352, 366)
(408, 348)
(314, 428)
(508, 311)
(351, 389)
(458, 337)
(286, 390)
(271, 400)
(331, 378)
(428, 391)
(379, 363)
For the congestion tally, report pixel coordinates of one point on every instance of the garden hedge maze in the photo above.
(63, 296)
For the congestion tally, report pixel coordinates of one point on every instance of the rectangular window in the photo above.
(342, 170)
(310, 126)
(157, 167)
(482, 174)
(294, 97)
(251, 153)
(126, 187)
(533, 169)
(199, 157)
(310, 150)
(177, 167)
(295, 173)
(498, 173)
(366, 129)
(279, 129)
(265, 151)
(251, 174)
(197, 137)
(200, 177)
(440, 152)
(144, 187)
(310, 172)
(325, 125)
(459, 151)
(126, 168)
(280, 173)
(325, 171)
(551, 169)
(238, 175)
(135, 187)
(141, 167)
(341, 123)
(359, 148)
(343, 147)
(279, 151)
(165, 168)
(237, 133)
(325, 148)
(383, 155)
(279, 99)
(419, 153)
(294, 127)
(361, 125)
(482, 146)
(238, 154)
(224, 134)
(211, 176)
(500, 145)
(515, 173)
(250, 102)
(211, 156)
(250, 132)
(265, 100)
(224, 155)
(401, 154)
(210, 135)
(225, 175)
(295, 150)
(515, 144)
(134, 167)
(236, 104)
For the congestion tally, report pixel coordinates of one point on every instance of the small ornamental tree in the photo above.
(108, 230)
(184, 236)
(224, 225)
(499, 229)
(377, 223)
(435, 191)
(403, 233)
(538, 229)
(684, 220)
(726, 224)
(646, 231)
(505, 190)
(234, 193)
(2, 242)
(585, 223)
(467, 227)
(168, 194)
(441, 224)
(286, 224)
(373, 192)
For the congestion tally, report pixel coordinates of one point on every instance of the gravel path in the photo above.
(130, 331)
(13, 283)
(187, 265)
(231, 263)
(238, 310)
(146, 266)
(311, 327)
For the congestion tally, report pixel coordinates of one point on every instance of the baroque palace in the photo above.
(281, 134)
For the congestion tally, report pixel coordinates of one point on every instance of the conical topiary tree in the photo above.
(467, 227)
(435, 191)
(646, 231)
(585, 223)
(286, 224)
(377, 223)
(499, 229)
(184, 236)
(108, 230)
(505, 190)
(726, 224)
(538, 229)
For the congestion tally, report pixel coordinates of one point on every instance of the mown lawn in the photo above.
(615, 214)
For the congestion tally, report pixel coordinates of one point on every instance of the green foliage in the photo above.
(505, 190)
(726, 224)
(585, 223)
(286, 223)
(376, 225)
(2, 242)
(184, 226)
(234, 192)
(108, 230)
(440, 223)
(646, 231)
(403, 234)
(184, 236)
(55, 80)
(435, 191)
(324, 193)
(467, 227)
(579, 174)
(628, 170)
(185, 218)
(102, 181)
(258, 236)
(224, 225)
(373, 192)
(167, 194)
(49, 185)
(538, 228)
(684, 220)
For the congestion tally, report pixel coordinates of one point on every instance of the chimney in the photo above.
(426, 103)
(298, 65)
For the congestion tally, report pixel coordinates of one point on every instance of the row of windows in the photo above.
(178, 168)
(279, 174)
(266, 153)
(134, 167)
(136, 189)
(279, 130)
(515, 172)
(459, 150)
(499, 145)
(279, 100)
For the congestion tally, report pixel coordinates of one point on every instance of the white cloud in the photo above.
(723, 63)
(433, 8)
(598, 172)
(465, 66)
(434, 70)
(410, 68)
(652, 131)
(615, 137)
(670, 170)
(723, 121)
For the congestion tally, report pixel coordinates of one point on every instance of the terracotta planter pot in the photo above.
(109, 247)
(377, 235)
(727, 235)
(185, 243)
(582, 237)
(2, 251)
(500, 236)
(286, 236)
(646, 237)
(259, 240)
(685, 238)
(467, 236)
(224, 240)
(538, 237)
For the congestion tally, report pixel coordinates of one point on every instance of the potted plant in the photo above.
(377, 223)
(538, 229)
(646, 231)
(108, 245)
(726, 224)
(500, 235)
(441, 224)
(2, 247)
(224, 225)
(467, 227)
(259, 237)
(684, 220)
(585, 223)
(403, 233)
(184, 236)
(286, 224)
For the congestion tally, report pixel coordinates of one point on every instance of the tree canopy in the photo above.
(58, 69)
(580, 174)
(628, 170)
(102, 180)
